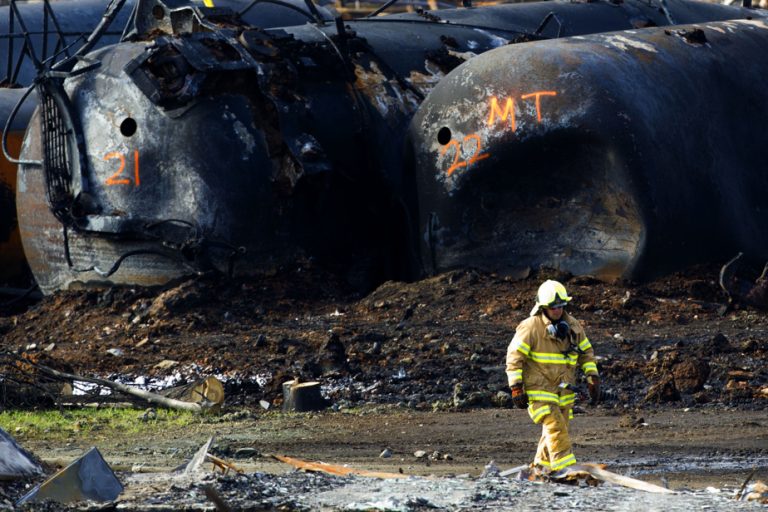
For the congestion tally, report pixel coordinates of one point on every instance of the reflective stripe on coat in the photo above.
(547, 365)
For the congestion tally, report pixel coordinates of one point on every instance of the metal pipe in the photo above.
(10, 43)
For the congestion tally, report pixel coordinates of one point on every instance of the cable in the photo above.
(8, 123)
(21, 297)
(309, 15)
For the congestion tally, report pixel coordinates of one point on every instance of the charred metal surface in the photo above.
(59, 28)
(236, 149)
(621, 154)
(72, 22)
(12, 260)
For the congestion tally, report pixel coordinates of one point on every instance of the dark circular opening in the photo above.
(128, 127)
(444, 135)
(158, 12)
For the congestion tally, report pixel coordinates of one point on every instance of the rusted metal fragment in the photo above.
(333, 469)
(88, 478)
(569, 153)
(15, 462)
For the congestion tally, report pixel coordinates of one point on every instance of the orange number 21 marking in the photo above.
(118, 178)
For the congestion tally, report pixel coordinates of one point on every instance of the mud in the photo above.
(416, 366)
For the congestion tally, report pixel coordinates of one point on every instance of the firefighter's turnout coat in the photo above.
(547, 366)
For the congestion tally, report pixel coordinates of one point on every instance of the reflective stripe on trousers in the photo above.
(554, 451)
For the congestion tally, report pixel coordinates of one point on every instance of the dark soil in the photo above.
(438, 343)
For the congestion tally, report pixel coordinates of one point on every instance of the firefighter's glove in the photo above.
(593, 386)
(519, 398)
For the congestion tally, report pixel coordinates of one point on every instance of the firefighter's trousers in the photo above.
(554, 452)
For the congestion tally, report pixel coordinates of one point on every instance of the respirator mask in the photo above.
(559, 329)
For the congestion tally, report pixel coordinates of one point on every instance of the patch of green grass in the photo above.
(94, 422)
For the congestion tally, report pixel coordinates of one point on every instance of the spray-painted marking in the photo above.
(460, 148)
(509, 108)
(496, 114)
(509, 111)
(538, 95)
(117, 178)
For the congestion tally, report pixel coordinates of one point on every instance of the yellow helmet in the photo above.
(551, 294)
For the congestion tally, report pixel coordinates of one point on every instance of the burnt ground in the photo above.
(419, 366)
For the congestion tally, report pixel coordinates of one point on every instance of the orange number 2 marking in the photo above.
(457, 163)
(477, 155)
(118, 178)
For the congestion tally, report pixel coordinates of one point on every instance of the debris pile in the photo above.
(436, 344)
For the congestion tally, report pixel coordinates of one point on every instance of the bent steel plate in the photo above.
(15, 462)
(87, 478)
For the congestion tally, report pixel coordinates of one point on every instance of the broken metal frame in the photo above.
(27, 49)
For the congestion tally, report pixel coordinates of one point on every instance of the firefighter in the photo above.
(542, 360)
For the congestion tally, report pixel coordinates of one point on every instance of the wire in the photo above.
(309, 15)
(380, 9)
(8, 124)
(21, 297)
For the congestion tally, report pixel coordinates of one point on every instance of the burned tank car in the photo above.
(196, 146)
(622, 154)
(55, 30)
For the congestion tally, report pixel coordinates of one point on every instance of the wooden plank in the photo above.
(607, 476)
(333, 469)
